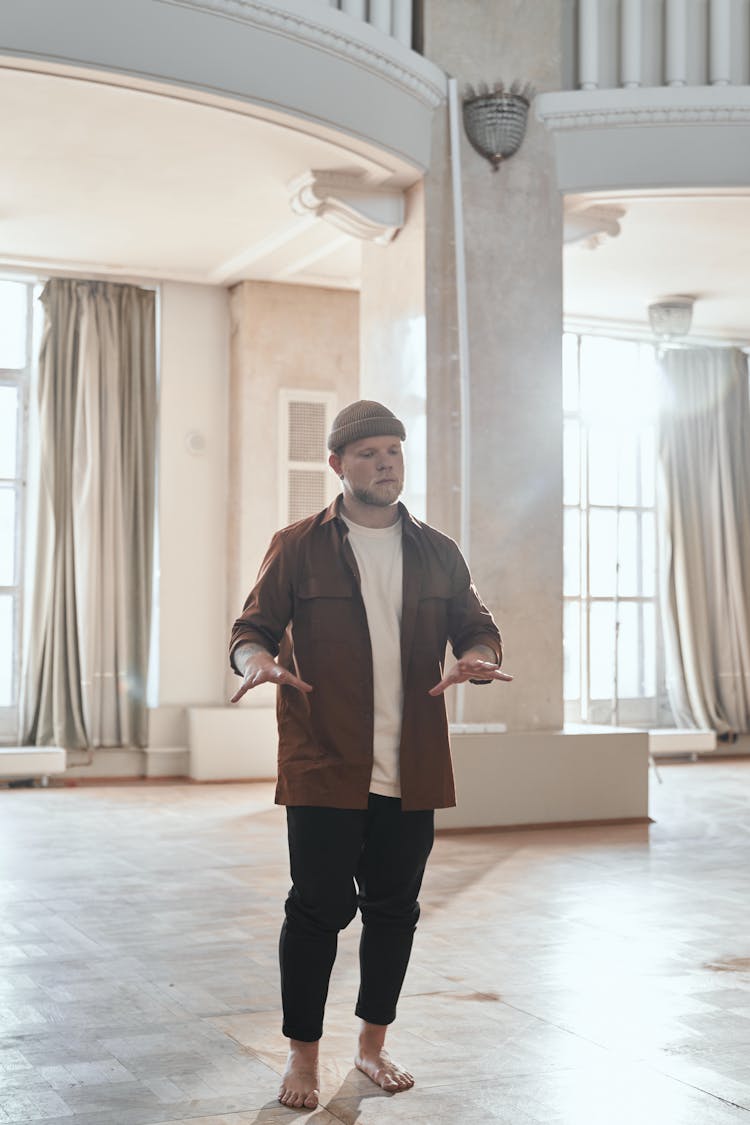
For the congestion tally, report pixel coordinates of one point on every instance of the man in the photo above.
(350, 617)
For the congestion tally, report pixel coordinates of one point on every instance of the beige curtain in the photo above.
(89, 622)
(705, 511)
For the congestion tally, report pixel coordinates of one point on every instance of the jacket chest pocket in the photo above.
(432, 613)
(327, 610)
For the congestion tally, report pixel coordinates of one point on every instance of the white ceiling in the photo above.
(670, 243)
(97, 177)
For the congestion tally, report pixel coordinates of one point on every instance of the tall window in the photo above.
(611, 633)
(16, 330)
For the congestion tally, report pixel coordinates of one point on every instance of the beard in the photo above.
(382, 496)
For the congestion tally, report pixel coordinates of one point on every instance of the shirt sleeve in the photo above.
(268, 608)
(470, 623)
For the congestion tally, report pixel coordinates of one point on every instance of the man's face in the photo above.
(373, 470)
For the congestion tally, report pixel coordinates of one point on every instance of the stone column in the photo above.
(514, 273)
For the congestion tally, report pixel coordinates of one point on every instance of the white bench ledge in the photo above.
(31, 761)
(232, 743)
(568, 776)
(676, 740)
(478, 728)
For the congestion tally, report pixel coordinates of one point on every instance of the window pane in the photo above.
(628, 670)
(572, 650)
(648, 466)
(602, 553)
(603, 485)
(610, 544)
(648, 611)
(571, 463)
(7, 536)
(572, 553)
(6, 650)
(628, 548)
(636, 642)
(12, 324)
(636, 674)
(570, 372)
(628, 475)
(8, 430)
(649, 379)
(609, 369)
(648, 555)
(602, 651)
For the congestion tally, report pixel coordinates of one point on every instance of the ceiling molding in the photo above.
(323, 281)
(647, 105)
(667, 196)
(350, 203)
(235, 266)
(294, 24)
(641, 330)
(42, 268)
(300, 265)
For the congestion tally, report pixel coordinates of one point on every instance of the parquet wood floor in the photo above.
(589, 976)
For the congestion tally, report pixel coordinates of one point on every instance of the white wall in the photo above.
(392, 339)
(192, 560)
(283, 336)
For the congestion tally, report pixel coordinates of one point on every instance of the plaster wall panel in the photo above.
(282, 336)
(194, 378)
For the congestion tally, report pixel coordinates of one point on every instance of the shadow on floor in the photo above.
(350, 1091)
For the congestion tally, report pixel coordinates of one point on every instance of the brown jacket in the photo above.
(307, 609)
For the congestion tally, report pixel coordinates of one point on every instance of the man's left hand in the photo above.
(471, 666)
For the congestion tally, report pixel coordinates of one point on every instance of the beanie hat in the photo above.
(364, 419)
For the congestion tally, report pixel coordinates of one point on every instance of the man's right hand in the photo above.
(261, 668)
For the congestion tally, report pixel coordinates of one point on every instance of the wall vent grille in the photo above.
(306, 481)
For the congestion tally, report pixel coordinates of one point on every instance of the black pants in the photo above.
(385, 851)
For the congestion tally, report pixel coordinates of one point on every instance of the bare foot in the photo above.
(300, 1082)
(374, 1061)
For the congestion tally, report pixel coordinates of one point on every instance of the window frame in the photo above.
(21, 379)
(642, 710)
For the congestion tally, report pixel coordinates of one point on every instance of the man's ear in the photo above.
(335, 462)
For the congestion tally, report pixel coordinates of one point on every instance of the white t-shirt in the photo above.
(379, 557)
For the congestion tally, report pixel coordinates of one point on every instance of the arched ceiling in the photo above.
(99, 177)
(692, 243)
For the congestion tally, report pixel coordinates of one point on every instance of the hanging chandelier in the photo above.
(495, 120)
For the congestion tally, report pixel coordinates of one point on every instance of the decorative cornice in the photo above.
(640, 330)
(647, 106)
(293, 24)
(589, 225)
(350, 203)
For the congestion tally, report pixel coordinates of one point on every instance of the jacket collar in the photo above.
(333, 512)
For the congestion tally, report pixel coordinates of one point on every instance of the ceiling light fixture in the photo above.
(495, 120)
(671, 317)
